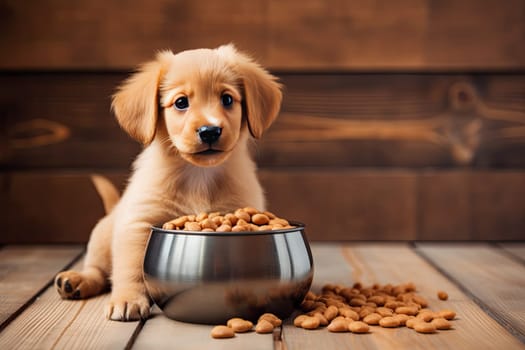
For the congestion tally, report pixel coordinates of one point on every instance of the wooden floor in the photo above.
(485, 282)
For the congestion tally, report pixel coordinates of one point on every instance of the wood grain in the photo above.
(382, 35)
(4, 201)
(310, 35)
(332, 120)
(492, 216)
(335, 204)
(53, 323)
(517, 249)
(345, 204)
(25, 270)
(468, 205)
(99, 34)
(68, 126)
(490, 276)
(389, 263)
(61, 217)
(444, 205)
(160, 332)
(51, 207)
(398, 120)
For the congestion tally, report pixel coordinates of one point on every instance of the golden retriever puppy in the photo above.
(195, 112)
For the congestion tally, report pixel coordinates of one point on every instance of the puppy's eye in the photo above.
(226, 100)
(182, 103)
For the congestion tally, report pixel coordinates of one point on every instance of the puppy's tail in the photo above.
(107, 191)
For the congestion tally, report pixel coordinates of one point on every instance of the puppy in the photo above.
(195, 112)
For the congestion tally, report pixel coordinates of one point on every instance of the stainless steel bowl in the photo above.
(210, 277)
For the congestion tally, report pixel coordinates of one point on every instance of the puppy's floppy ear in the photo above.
(136, 102)
(262, 92)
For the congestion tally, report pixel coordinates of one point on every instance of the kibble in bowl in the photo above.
(204, 274)
(241, 220)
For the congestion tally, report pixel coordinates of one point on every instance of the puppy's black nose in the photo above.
(209, 134)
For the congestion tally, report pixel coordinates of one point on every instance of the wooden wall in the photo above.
(291, 35)
(401, 120)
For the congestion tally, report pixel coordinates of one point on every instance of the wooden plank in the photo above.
(397, 263)
(480, 205)
(4, 202)
(70, 126)
(335, 204)
(412, 34)
(52, 207)
(368, 120)
(444, 194)
(345, 204)
(398, 120)
(517, 249)
(497, 205)
(25, 270)
(457, 33)
(494, 279)
(310, 35)
(61, 217)
(160, 332)
(143, 28)
(53, 323)
(341, 35)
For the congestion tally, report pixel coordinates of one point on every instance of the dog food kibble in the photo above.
(260, 219)
(425, 315)
(243, 219)
(192, 226)
(331, 312)
(385, 311)
(424, 327)
(402, 318)
(372, 319)
(407, 310)
(220, 332)
(349, 309)
(266, 323)
(338, 325)
(349, 313)
(388, 306)
(274, 320)
(411, 322)
(298, 321)
(441, 323)
(358, 327)
(264, 326)
(310, 322)
(239, 325)
(447, 314)
(231, 321)
(442, 295)
(322, 320)
(389, 322)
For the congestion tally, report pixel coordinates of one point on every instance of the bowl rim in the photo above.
(298, 226)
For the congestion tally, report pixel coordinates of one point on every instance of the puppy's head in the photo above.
(202, 100)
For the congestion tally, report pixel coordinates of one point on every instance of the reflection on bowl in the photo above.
(210, 277)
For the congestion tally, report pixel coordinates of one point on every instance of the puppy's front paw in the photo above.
(79, 285)
(69, 285)
(128, 307)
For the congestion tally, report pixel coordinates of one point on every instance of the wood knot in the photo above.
(463, 96)
(36, 133)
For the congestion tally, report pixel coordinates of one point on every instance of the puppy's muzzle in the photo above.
(209, 134)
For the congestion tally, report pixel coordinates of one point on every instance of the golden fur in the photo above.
(173, 175)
